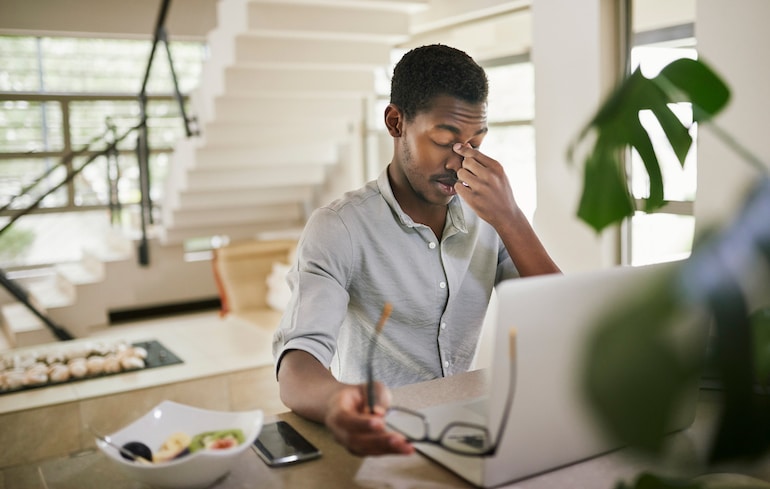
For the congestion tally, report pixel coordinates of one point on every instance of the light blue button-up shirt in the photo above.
(362, 251)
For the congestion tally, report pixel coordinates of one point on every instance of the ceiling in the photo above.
(187, 19)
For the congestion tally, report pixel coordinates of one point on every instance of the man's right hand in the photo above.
(360, 431)
(312, 392)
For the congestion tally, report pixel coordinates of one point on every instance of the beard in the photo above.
(424, 187)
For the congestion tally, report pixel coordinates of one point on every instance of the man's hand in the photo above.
(483, 184)
(312, 392)
(361, 432)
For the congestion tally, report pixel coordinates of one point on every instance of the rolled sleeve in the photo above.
(318, 281)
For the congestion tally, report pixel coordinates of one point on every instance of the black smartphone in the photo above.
(279, 444)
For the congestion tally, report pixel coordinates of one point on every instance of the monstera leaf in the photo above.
(606, 198)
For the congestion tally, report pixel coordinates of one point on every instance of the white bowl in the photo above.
(196, 470)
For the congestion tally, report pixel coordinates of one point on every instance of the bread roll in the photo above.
(58, 372)
(78, 367)
(131, 363)
(111, 364)
(95, 364)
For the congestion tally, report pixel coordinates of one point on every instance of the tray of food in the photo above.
(82, 361)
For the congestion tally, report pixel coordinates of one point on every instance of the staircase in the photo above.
(281, 109)
(75, 295)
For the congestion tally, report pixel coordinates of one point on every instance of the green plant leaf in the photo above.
(677, 133)
(617, 127)
(652, 481)
(605, 198)
(760, 325)
(641, 141)
(698, 84)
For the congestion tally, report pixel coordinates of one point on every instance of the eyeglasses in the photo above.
(462, 438)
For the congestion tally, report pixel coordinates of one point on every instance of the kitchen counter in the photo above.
(227, 365)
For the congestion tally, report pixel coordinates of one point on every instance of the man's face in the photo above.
(426, 158)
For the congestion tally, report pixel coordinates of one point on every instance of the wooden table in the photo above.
(339, 469)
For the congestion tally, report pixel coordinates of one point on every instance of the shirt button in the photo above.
(442, 285)
(446, 363)
(443, 325)
(431, 245)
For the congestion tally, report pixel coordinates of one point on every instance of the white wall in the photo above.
(575, 66)
(733, 38)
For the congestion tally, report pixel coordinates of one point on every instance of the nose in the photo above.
(454, 162)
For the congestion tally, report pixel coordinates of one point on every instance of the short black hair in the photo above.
(429, 71)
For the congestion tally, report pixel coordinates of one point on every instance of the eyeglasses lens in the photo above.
(466, 439)
(408, 424)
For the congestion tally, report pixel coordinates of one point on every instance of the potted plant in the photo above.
(626, 351)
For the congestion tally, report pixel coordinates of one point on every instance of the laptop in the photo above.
(547, 320)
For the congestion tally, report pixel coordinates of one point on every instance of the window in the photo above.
(511, 138)
(666, 234)
(59, 94)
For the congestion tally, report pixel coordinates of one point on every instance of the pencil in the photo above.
(370, 396)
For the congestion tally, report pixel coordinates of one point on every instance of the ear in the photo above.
(394, 120)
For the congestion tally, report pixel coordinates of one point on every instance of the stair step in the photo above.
(168, 236)
(265, 80)
(52, 292)
(267, 157)
(88, 270)
(227, 48)
(222, 133)
(278, 109)
(287, 110)
(198, 218)
(257, 179)
(352, 22)
(23, 328)
(194, 200)
(311, 53)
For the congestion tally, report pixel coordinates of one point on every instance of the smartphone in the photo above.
(279, 444)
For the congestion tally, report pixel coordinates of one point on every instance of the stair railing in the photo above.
(15, 289)
(22, 296)
(143, 149)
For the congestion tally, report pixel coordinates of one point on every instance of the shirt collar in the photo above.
(455, 213)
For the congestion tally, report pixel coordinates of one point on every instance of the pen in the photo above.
(370, 396)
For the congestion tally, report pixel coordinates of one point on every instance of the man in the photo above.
(432, 235)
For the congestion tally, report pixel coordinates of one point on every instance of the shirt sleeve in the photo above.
(318, 280)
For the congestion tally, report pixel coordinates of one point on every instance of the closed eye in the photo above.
(450, 144)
